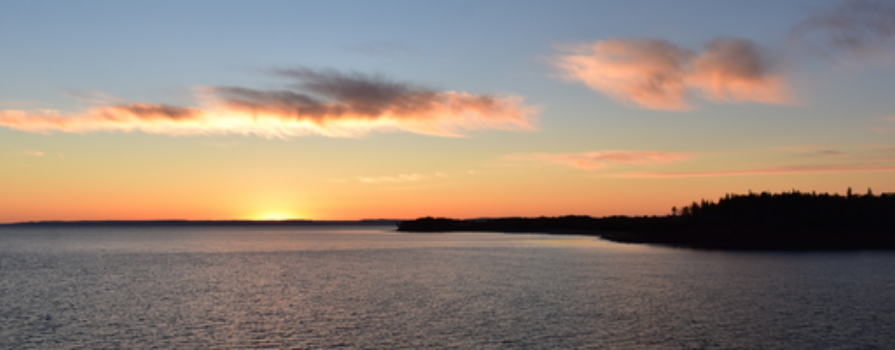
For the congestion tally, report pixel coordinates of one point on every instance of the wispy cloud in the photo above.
(859, 27)
(34, 153)
(387, 179)
(598, 160)
(327, 103)
(800, 148)
(811, 151)
(826, 153)
(872, 153)
(656, 74)
(780, 170)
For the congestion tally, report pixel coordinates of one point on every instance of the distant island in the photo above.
(765, 221)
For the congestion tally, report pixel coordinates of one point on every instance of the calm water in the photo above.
(363, 287)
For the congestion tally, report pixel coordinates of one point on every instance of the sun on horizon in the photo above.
(276, 216)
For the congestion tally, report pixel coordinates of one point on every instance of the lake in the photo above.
(372, 287)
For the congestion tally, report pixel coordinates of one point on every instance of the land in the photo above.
(784, 221)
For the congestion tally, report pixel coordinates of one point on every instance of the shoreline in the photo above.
(670, 233)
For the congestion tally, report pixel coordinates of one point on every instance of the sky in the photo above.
(344, 110)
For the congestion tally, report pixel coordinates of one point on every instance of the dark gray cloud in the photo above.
(318, 95)
(855, 26)
(159, 111)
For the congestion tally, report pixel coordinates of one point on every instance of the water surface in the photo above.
(371, 287)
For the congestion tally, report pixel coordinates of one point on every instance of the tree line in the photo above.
(794, 208)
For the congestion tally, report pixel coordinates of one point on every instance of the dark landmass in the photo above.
(189, 223)
(784, 221)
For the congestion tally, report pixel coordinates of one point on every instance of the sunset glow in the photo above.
(609, 108)
(275, 217)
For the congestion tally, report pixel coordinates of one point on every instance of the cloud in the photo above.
(781, 170)
(734, 70)
(34, 153)
(399, 178)
(811, 151)
(860, 27)
(656, 74)
(327, 103)
(648, 73)
(598, 160)
(157, 119)
(800, 148)
(827, 153)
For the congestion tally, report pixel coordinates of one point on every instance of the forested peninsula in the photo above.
(782, 221)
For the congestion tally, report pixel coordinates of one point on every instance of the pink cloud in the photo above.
(598, 160)
(149, 118)
(656, 74)
(782, 170)
(324, 103)
(734, 70)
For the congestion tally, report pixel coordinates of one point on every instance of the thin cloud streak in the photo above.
(327, 103)
(811, 151)
(597, 160)
(801, 148)
(388, 179)
(827, 153)
(656, 74)
(782, 170)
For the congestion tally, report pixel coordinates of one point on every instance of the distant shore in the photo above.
(659, 231)
(784, 221)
